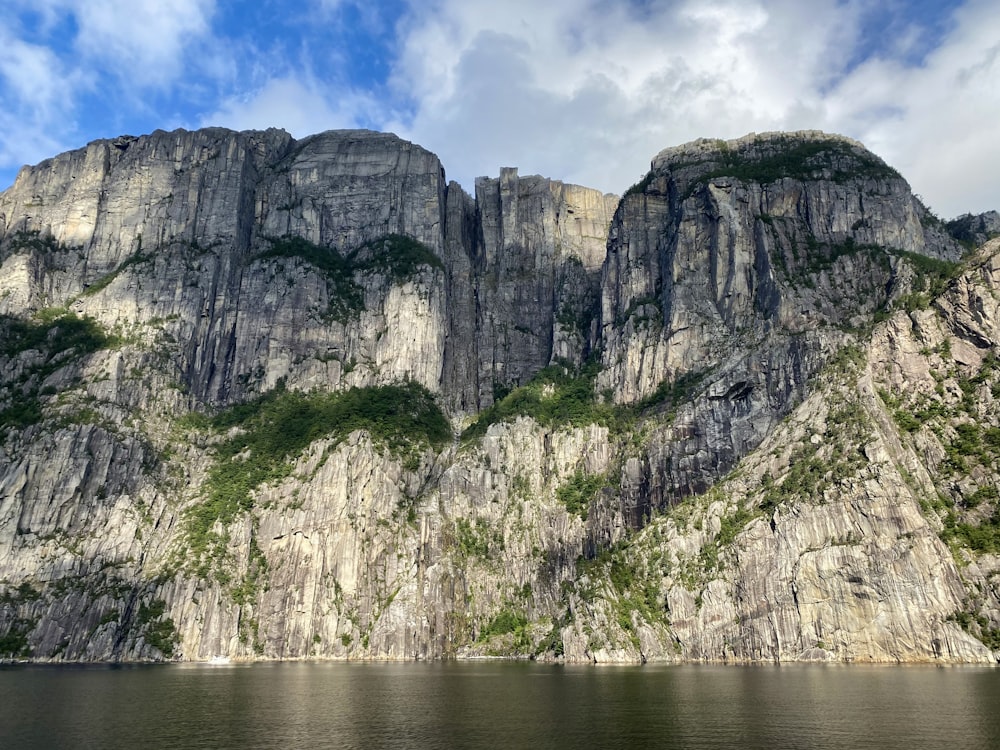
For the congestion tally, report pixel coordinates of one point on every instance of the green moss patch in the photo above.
(270, 432)
(59, 337)
(395, 256)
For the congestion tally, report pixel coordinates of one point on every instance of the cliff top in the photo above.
(765, 157)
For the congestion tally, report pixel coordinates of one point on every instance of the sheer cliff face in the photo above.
(742, 264)
(226, 356)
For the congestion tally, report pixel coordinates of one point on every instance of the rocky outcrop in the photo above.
(975, 229)
(268, 398)
(736, 268)
(525, 268)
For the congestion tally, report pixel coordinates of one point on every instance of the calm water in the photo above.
(502, 705)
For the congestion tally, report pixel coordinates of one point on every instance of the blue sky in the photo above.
(585, 91)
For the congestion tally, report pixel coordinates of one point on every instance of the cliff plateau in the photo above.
(267, 398)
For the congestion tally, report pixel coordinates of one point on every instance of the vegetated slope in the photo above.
(267, 398)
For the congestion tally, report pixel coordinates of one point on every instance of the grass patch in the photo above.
(32, 239)
(273, 430)
(579, 491)
(395, 256)
(792, 158)
(158, 631)
(556, 396)
(60, 337)
(103, 282)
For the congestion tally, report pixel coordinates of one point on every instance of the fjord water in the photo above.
(498, 704)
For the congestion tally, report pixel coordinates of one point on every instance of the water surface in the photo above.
(499, 704)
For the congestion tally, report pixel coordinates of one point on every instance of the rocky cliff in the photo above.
(268, 398)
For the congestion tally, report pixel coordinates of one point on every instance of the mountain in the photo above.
(273, 398)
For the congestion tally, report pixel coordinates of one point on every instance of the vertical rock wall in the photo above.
(147, 284)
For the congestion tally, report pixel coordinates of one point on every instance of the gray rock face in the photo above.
(542, 247)
(975, 229)
(737, 267)
(210, 340)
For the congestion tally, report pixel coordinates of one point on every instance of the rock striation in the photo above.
(273, 398)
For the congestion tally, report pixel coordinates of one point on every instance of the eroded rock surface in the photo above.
(268, 398)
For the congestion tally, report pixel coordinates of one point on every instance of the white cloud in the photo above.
(589, 92)
(300, 106)
(38, 101)
(586, 91)
(145, 40)
(54, 54)
(936, 122)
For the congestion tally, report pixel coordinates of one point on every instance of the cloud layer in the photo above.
(581, 90)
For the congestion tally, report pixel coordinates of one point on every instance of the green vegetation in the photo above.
(640, 304)
(158, 632)
(801, 160)
(507, 632)
(346, 296)
(477, 540)
(982, 495)
(54, 332)
(271, 431)
(822, 258)
(956, 424)
(982, 537)
(801, 269)
(978, 626)
(395, 256)
(641, 186)
(246, 590)
(931, 278)
(577, 318)
(814, 468)
(670, 395)
(59, 337)
(14, 643)
(579, 491)
(132, 260)
(578, 302)
(32, 239)
(966, 502)
(562, 395)
(553, 640)
(558, 395)
(846, 362)
(632, 590)
(732, 524)
(506, 621)
(23, 594)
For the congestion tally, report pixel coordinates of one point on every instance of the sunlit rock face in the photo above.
(273, 398)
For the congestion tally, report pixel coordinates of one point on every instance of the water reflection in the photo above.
(491, 704)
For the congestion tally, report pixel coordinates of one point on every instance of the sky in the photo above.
(584, 91)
